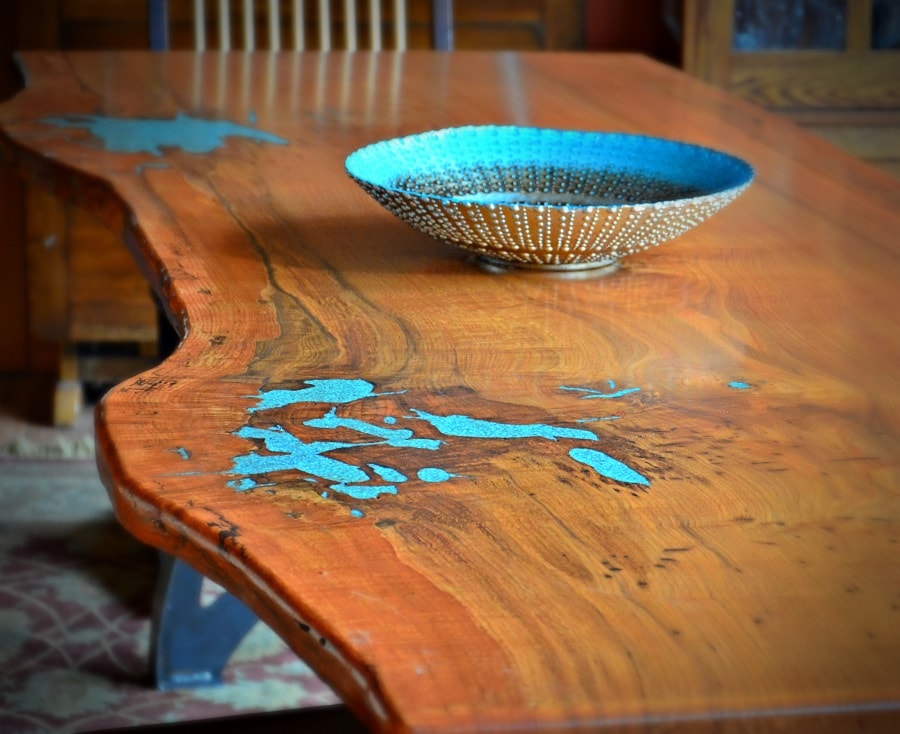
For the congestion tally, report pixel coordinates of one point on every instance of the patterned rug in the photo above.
(75, 605)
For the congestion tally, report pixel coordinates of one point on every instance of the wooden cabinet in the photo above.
(833, 66)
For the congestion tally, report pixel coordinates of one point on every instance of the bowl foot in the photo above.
(573, 271)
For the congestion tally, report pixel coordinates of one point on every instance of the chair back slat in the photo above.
(158, 24)
(442, 25)
(224, 26)
(274, 25)
(299, 26)
(325, 25)
(350, 25)
(199, 25)
(375, 41)
(400, 25)
(249, 26)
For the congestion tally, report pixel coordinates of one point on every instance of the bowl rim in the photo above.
(745, 172)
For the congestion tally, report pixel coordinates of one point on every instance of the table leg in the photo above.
(191, 643)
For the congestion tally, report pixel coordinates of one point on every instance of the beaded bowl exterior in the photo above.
(549, 199)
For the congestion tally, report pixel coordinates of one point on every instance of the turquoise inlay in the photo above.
(182, 452)
(325, 494)
(143, 135)
(433, 474)
(362, 492)
(357, 513)
(251, 118)
(396, 437)
(594, 394)
(607, 466)
(292, 453)
(388, 474)
(287, 452)
(465, 427)
(319, 391)
(242, 485)
(738, 385)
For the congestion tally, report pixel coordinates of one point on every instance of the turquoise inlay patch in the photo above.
(357, 513)
(364, 492)
(592, 394)
(465, 427)
(144, 135)
(388, 474)
(607, 466)
(739, 385)
(432, 474)
(319, 391)
(314, 460)
(182, 452)
(292, 453)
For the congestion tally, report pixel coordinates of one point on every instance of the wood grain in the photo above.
(818, 79)
(752, 584)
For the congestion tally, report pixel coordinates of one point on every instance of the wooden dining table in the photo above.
(372, 440)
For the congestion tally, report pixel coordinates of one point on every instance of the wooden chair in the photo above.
(287, 25)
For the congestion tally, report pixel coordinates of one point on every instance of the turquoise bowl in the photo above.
(558, 200)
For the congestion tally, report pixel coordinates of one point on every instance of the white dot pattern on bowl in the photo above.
(548, 198)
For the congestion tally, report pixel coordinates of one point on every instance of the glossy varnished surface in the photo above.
(747, 373)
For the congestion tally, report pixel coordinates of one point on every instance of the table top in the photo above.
(372, 441)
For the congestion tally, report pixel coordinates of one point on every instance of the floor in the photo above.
(26, 432)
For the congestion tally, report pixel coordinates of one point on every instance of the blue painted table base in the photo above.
(192, 643)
